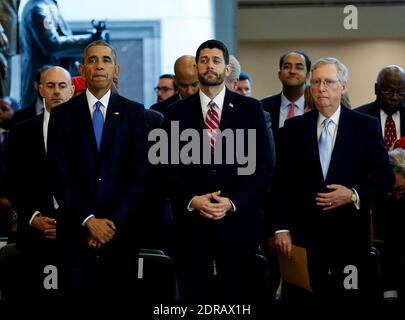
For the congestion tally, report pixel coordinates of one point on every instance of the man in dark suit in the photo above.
(323, 201)
(185, 80)
(293, 74)
(389, 109)
(390, 103)
(97, 145)
(30, 181)
(217, 218)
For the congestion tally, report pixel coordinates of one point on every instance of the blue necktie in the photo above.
(325, 146)
(98, 123)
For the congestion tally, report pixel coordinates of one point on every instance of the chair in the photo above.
(10, 271)
(156, 279)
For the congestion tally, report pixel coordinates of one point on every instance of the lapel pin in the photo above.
(231, 104)
(116, 113)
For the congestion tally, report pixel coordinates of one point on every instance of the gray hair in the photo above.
(390, 68)
(342, 74)
(234, 75)
(397, 161)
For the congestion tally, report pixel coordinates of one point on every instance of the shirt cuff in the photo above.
(85, 220)
(189, 208)
(33, 216)
(233, 206)
(282, 230)
(390, 294)
(357, 203)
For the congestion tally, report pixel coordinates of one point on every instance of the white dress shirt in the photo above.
(285, 107)
(91, 100)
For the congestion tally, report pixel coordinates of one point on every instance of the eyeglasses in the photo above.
(163, 89)
(390, 94)
(328, 83)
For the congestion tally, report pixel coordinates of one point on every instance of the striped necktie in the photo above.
(212, 123)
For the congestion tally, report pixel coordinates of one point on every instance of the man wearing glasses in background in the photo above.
(389, 109)
(166, 87)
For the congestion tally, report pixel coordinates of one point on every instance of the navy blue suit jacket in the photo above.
(241, 229)
(359, 160)
(373, 110)
(106, 183)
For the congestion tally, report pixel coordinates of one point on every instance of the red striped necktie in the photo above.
(212, 123)
(291, 111)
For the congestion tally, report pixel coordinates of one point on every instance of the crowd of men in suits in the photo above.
(89, 197)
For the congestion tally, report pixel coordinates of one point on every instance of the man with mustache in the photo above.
(216, 211)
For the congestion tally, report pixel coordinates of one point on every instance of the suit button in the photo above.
(214, 171)
(99, 179)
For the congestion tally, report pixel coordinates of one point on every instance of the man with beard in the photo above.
(389, 109)
(293, 74)
(216, 209)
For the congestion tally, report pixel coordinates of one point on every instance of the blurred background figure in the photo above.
(9, 23)
(37, 106)
(185, 80)
(393, 266)
(7, 217)
(231, 81)
(245, 84)
(45, 39)
(79, 83)
(165, 87)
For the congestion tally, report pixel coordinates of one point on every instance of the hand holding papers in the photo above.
(295, 270)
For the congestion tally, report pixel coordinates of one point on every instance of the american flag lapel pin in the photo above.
(116, 113)
(231, 104)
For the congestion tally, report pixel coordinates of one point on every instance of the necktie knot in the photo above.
(98, 123)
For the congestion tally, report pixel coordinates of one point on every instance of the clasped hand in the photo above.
(211, 205)
(101, 232)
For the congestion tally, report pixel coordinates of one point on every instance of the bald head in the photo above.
(186, 77)
(390, 88)
(55, 87)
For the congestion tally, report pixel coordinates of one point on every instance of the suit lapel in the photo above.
(227, 111)
(402, 121)
(342, 136)
(111, 121)
(313, 142)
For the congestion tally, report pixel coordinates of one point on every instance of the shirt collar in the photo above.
(218, 99)
(285, 103)
(335, 117)
(91, 99)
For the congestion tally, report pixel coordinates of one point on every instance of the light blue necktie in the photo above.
(325, 146)
(98, 123)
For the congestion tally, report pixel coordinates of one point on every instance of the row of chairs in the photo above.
(156, 278)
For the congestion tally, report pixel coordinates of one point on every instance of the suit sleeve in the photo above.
(381, 177)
